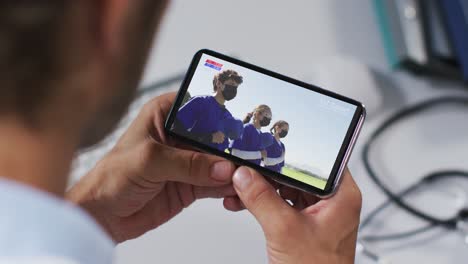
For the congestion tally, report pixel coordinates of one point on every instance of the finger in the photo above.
(233, 203)
(158, 109)
(150, 121)
(181, 145)
(261, 199)
(213, 192)
(273, 183)
(165, 163)
(343, 208)
(165, 101)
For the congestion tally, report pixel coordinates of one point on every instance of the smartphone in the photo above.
(296, 133)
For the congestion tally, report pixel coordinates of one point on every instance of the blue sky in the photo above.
(317, 123)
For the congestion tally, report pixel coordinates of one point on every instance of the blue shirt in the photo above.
(275, 151)
(249, 145)
(250, 140)
(35, 226)
(202, 116)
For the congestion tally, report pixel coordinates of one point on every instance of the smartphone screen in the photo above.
(294, 132)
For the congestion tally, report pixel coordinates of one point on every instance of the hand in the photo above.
(308, 231)
(146, 180)
(218, 137)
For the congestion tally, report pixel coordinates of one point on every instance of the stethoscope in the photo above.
(456, 222)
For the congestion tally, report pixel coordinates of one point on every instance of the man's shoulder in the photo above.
(51, 227)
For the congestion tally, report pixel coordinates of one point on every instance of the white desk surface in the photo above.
(287, 37)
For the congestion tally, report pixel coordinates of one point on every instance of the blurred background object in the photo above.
(324, 72)
(391, 54)
(427, 37)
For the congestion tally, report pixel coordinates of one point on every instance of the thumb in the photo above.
(261, 199)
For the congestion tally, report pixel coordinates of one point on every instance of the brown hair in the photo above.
(278, 123)
(261, 108)
(29, 40)
(34, 49)
(227, 75)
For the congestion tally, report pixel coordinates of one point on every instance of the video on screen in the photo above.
(263, 120)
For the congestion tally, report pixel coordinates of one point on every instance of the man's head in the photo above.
(73, 65)
(226, 82)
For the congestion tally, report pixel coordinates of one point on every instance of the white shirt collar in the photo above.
(35, 223)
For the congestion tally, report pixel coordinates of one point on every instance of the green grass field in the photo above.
(300, 176)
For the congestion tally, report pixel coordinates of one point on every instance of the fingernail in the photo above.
(242, 178)
(221, 171)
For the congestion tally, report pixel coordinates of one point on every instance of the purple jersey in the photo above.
(202, 116)
(249, 145)
(275, 156)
